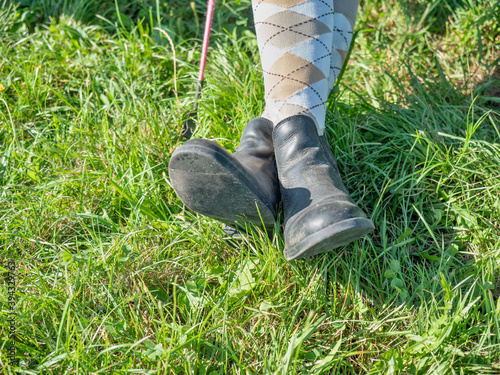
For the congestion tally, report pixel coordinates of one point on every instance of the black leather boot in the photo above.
(228, 187)
(319, 214)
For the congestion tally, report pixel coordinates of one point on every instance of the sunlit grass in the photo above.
(115, 275)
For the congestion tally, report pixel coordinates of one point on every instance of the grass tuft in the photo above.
(115, 275)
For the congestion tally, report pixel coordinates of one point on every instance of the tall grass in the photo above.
(115, 275)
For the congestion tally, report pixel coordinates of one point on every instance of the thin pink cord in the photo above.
(206, 38)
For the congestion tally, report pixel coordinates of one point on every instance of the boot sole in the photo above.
(208, 180)
(330, 238)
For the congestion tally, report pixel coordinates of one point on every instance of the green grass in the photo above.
(115, 275)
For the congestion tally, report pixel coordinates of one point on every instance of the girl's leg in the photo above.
(303, 44)
(295, 39)
(343, 25)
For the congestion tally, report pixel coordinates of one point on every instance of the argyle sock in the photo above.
(301, 53)
(295, 44)
(343, 25)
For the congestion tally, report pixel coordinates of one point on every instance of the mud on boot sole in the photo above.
(210, 181)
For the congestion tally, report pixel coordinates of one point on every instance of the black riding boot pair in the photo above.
(289, 163)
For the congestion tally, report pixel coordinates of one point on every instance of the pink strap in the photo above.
(206, 38)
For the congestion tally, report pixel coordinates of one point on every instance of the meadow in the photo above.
(114, 275)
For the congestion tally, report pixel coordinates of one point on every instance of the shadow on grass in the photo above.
(433, 14)
(180, 19)
(488, 88)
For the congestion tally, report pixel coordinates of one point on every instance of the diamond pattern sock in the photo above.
(301, 53)
(343, 25)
